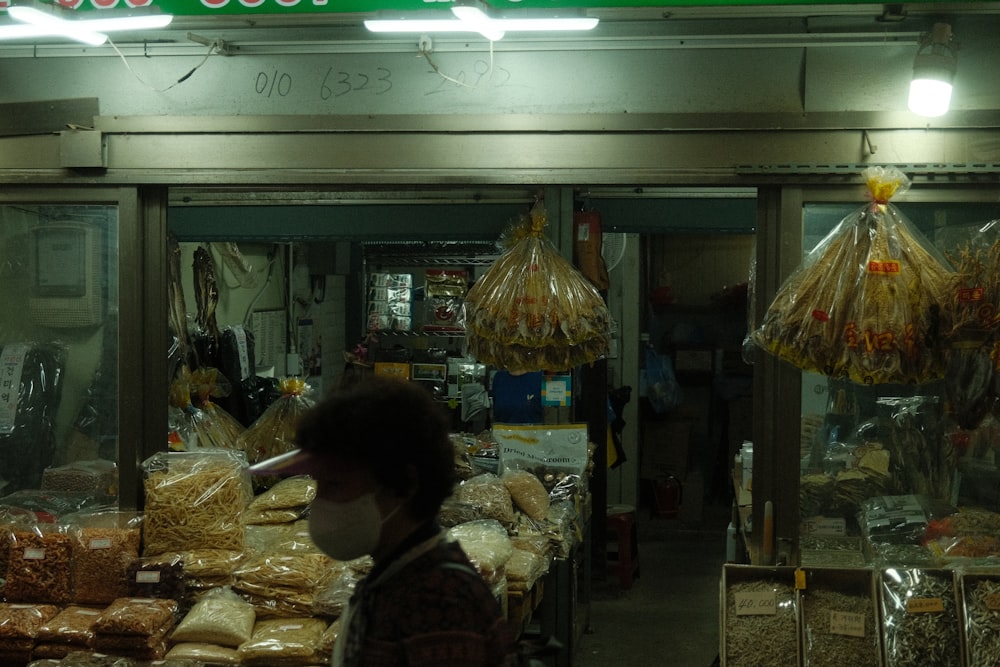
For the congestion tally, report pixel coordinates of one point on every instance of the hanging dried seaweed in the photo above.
(869, 302)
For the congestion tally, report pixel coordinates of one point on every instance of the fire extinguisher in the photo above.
(668, 497)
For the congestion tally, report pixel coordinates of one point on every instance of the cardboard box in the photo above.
(754, 607)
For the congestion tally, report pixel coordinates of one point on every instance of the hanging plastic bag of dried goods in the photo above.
(870, 301)
(532, 310)
(274, 431)
(971, 344)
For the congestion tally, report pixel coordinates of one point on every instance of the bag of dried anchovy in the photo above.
(920, 618)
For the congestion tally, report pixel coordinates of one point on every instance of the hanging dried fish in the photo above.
(206, 293)
(532, 310)
(177, 310)
(869, 302)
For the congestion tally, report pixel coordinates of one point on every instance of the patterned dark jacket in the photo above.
(426, 608)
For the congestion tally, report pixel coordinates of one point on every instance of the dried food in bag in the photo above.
(486, 543)
(487, 493)
(219, 617)
(870, 302)
(40, 565)
(195, 500)
(137, 616)
(285, 641)
(527, 492)
(72, 625)
(204, 653)
(157, 577)
(23, 621)
(104, 545)
(532, 310)
(273, 433)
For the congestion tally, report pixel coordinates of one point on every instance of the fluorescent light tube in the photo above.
(39, 23)
(53, 25)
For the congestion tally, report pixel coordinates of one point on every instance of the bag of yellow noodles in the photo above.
(870, 301)
(532, 310)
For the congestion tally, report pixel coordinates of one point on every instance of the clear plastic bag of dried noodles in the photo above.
(532, 310)
(870, 302)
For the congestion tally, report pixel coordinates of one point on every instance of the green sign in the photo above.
(210, 7)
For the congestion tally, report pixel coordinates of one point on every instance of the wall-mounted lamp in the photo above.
(37, 20)
(933, 72)
(476, 16)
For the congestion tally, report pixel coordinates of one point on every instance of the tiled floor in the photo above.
(670, 616)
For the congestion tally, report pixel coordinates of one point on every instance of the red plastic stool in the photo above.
(623, 544)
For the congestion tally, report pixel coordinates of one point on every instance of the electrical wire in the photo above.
(213, 48)
(427, 56)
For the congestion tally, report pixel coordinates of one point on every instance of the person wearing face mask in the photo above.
(383, 462)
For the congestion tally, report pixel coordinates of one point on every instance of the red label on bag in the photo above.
(970, 294)
(888, 267)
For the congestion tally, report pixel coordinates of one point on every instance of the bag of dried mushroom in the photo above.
(870, 301)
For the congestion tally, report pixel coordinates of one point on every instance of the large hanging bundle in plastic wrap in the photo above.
(971, 346)
(532, 310)
(870, 302)
(274, 431)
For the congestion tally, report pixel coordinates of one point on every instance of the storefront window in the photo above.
(58, 355)
(886, 467)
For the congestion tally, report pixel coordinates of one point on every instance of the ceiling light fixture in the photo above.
(476, 16)
(34, 21)
(933, 72)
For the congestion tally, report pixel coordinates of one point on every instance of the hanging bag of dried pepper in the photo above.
(869, 303)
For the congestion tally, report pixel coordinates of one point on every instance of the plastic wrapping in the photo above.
(333, 596)
(97, 478)
(527, 492)
(870, 302)
(219, 617)
(208, 654)
(104, 545)
(137, 617)
(290, 493)
(286, 641)
(532, 310)
(487, 545)
(490, 495)
(195, 500)
(982, 622)
(74, 625)
(39, 569)
(840, 620)
(157, 577)
(752, 640)
(201, 423)
(274, 431)
(970, 345)
(27, 441)
(920, 618)
(23, 621)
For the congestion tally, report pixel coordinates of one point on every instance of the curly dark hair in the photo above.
(395, 429)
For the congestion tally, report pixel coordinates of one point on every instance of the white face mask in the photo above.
(345, 531)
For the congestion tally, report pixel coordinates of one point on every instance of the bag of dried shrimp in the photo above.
(870, 302)
(532, 310)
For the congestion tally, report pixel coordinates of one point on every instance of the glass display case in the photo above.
(59, 360)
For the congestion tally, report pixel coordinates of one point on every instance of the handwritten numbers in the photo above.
(339, 83)
(273, 83)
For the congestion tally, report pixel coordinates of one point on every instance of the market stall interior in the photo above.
(741, 284)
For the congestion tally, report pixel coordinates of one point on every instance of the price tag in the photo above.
(147, 577)
(924, 605)
(847, 623)
(756, 603)
(993, 602)
(34, 554)
(100, 543)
